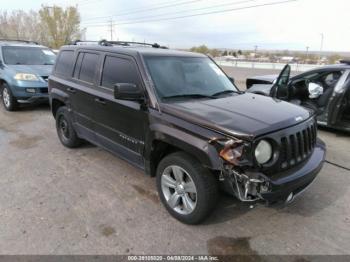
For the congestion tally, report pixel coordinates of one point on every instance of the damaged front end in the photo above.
(244, 187)
(235, 153)
(250, 182)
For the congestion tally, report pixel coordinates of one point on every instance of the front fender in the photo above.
(198, 147)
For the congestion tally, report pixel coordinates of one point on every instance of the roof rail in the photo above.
(120, 43)
(19, 40)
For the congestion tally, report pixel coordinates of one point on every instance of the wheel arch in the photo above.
(55, 105)
(165, 143)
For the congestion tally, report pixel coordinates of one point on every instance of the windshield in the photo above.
(21, 55)
(187, 77)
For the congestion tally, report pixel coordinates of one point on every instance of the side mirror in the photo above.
(231, 79)
(128, 91)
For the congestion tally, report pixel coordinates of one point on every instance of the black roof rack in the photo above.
(19, 40)
(344, 61)
(120, 43)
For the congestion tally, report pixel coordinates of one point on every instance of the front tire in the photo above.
(9, 101)
(65, 129)
(187, 190)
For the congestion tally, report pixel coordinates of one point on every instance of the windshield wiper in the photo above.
(189, 96)
(224, 92)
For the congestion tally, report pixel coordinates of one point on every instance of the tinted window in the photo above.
(78, 65)
(88, 67)
(20, 55)
(64, 63)
(118, 70)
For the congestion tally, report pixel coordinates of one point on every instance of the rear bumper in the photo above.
(296, 180)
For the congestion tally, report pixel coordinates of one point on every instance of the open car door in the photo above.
(338, 101)
(280, 86)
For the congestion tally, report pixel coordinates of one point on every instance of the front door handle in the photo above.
(71, 90)
(100, 101)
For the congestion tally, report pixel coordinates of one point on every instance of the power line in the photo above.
(199, 14)
(175, 3)
(185, 11)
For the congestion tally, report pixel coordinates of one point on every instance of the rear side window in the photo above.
(86, 67)
(118, 70)
(64, 63)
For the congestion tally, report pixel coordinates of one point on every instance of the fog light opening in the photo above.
(30, 90)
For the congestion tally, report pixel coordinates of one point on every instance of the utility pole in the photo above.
(321, 48)
(255, 50)
(111, 28)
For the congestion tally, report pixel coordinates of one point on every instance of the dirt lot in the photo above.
(86, 201)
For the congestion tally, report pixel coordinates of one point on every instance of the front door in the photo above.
(121, 124)
(280, 86)
(336, 104)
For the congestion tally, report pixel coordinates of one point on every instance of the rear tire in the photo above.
(65, 129)
(9, 101)
(187, 190)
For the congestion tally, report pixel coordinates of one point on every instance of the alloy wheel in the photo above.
(63, 127)
(179, 190)
(6, 97)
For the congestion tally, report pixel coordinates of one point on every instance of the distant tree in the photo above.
(20, 25)
(61, 25)
(334, 58)
(286, 53)
(239, 52)
(234, 53)
(51, 26)
(225, 53)
(214, 52)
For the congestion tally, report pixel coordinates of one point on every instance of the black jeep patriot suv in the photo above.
(179, 117)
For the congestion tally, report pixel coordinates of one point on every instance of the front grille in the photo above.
(296, 147)
(44, 90)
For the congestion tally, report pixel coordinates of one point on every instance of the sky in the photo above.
(293, 25)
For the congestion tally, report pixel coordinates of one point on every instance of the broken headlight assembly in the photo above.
(232, 151)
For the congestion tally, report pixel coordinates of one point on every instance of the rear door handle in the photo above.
(71, 90)
(100, 101)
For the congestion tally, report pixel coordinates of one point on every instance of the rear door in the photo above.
(120, 124)
(82, 92)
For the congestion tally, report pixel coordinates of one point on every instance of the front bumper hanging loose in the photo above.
(250, 186)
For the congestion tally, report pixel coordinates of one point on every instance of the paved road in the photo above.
(86, 201)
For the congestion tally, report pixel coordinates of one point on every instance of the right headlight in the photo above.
(263, 152)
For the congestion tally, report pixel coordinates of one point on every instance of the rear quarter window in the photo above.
(64, 63)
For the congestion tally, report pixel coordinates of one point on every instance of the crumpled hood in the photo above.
(246, 114)
(40, 70)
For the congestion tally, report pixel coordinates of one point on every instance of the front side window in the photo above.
(22, 55)
(187, 77)
(118, 70)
